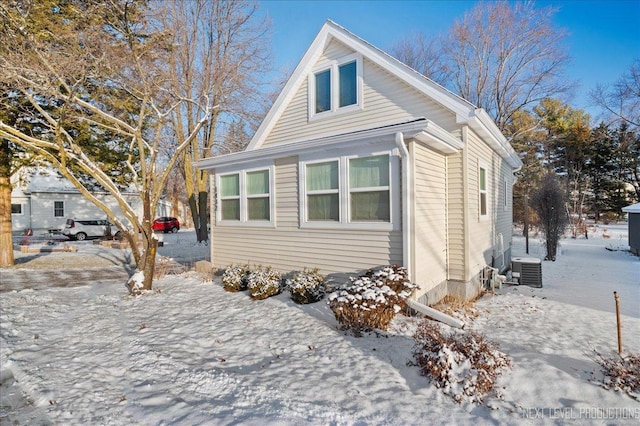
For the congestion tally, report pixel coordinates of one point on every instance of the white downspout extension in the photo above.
(407, 202)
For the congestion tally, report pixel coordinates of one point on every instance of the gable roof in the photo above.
(466, 112)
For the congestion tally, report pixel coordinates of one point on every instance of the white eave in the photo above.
(419, 129)
(633, 208)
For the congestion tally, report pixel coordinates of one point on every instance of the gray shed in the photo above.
(634, 227)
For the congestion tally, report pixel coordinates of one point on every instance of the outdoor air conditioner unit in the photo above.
(527, 270)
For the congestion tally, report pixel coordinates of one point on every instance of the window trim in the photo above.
(334, 78)
(483, 166)
(244, 197)
(345, 221)
(54, 208)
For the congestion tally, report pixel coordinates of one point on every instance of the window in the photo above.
(230, 197)
(258, 195)
(369, 189)
(348, 192)
(58, 209)
(16, 208)
(336, 88)
(482, 186)
(323, 192)
(505, 204)
(245, 197)
(323, 91)
(348, 84)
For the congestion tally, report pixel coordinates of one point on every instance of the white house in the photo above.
(363, 162)
(42, 200)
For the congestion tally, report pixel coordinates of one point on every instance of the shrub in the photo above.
(372, 300)
(264, 282)
(307, 286)
(465, 365)
(622, 374)
(235, 277)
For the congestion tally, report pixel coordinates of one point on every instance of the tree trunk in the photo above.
(203, 234)
(6, 240)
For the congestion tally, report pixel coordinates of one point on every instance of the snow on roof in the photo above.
(43, 179)
(633, 208)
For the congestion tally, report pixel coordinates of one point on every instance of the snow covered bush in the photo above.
(307, 286)
(464, 364)
(264, 282)
(235, 277)
(372, 300)
(622, 374)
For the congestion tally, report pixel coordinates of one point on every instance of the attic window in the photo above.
(336, 88)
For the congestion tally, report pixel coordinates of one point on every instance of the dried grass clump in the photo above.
(307, 286)
(264, 282)
(622, 374)
(465, 365)
(235, 278)
(372, 300)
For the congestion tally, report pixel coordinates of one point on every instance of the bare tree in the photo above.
(222, 53)
(622, 100)
(548, 202)
(102, 64)
(500, 56)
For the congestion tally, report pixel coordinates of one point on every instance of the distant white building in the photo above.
(42, 200)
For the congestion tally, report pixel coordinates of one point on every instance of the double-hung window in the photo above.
(58, 209)
(245, 197)
(369, 189)
(323, 191)
(336, 87)
(482, 191)
(348, 192)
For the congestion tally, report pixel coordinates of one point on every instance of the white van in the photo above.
(81, 229)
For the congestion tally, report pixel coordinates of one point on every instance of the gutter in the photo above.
(407, 202)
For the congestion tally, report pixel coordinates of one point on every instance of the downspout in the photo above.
(407, 203)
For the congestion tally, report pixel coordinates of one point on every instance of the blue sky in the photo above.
(604, 35)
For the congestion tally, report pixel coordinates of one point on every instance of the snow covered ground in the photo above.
(191, 353)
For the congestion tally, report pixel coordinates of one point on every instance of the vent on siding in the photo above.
(528, 271)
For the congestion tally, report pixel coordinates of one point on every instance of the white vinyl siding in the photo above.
(430, 218)
(287, 247)
(455, 217)
(386, 100)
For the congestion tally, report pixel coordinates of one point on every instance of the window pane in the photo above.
(258, 182)
(230, 210)
(258, 208)
(348, 86)
(483, 179)
(370, 206)
(483, 204)
(230, 185)
(322, 176)
(16, 208)
(323, 91)
(323, 207)
(369, 172)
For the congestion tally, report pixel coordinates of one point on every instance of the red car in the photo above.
(166, 224)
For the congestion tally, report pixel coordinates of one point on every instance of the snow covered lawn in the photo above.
(191, 353)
